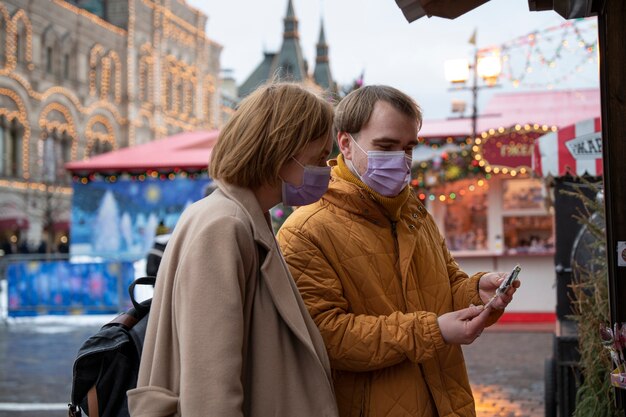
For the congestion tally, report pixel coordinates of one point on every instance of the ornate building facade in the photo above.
(79, 78)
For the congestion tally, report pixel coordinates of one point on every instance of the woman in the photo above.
(228, 333)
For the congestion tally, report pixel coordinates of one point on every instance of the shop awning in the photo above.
(573, 150)
(187, 151)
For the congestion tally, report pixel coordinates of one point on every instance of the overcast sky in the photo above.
(373, 36)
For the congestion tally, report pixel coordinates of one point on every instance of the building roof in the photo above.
(185, 151)
(552, 108)
(289, 62)
(321, 73)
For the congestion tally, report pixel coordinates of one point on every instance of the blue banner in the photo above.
(61, 287)
(119, 219)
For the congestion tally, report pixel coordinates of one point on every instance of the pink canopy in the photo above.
(186, 151)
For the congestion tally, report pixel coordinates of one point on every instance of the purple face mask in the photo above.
(387, 173)
(314, 185)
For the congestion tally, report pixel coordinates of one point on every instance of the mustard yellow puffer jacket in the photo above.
(375, 289)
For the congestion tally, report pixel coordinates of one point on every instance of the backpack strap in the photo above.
(125, 319)
(144, 307)
(92, 402)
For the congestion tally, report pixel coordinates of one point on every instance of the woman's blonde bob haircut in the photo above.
(270, 126)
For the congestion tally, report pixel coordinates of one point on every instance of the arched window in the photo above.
(66, 66)
(49, 59)
(100, 146)
(22, 33)
(10, 148)
(57, 151)
(20, 46)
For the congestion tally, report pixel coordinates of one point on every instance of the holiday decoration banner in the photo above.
(118, 218)
(62, 287)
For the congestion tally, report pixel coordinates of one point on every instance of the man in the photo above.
(391, 303)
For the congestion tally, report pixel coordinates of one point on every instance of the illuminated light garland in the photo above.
(162, 175)
(93, 136)
(209, 91)
(21, 15)
(146, 74)
(8, 53)
(477, 149)
(36, 186)
(532, 43)
(95, 55)
(459, 193)
(90, 16)
(169, 15)
(68, 127)
(23, 119)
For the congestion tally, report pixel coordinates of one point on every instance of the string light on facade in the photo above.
(68, 127)
(94, 136)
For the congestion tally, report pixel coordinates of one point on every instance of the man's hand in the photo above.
(487, 288)
(462, 327)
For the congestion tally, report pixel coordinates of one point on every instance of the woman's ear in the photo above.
(345, 145)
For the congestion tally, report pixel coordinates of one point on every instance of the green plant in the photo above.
(595, 395)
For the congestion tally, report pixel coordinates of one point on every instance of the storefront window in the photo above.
(526, 223)
(528, 234)
(465, 218)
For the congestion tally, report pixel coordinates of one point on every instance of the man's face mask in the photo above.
(387, 173)
(314, 185)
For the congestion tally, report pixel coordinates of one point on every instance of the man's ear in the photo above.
(345, 147)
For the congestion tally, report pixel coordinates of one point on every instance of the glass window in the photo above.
(523, 194)
(49, 58)
(528, 234)
(66, 66)
(465, 221)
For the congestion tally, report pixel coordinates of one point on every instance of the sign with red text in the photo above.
(511, 149)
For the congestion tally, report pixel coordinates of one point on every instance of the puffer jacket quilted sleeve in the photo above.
(355, 342)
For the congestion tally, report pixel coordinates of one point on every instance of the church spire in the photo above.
(321, 74)
(322, 46)
(291, 23)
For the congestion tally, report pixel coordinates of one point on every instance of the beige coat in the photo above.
(375, 289)
(228, 333)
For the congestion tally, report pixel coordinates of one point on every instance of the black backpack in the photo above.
(107, 364)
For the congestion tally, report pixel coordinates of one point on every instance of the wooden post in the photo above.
(612, 47)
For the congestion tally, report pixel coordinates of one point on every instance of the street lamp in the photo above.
(457, 72)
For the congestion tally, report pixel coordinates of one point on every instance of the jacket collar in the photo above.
(359, 202)
(261, 224)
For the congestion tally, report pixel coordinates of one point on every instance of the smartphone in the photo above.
(506, 283)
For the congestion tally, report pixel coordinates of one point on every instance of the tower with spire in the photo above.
(289, 63)
(321, 74)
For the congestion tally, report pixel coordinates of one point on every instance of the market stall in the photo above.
(493, 209)
(120, 198)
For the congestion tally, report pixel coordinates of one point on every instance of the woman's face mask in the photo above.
(387, 173)
(314, 185)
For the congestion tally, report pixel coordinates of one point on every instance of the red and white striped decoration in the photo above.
(572, 150)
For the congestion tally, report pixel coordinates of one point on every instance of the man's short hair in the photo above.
(355, 110)
(271, 125)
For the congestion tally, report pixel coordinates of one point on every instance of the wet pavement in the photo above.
(505, 366)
